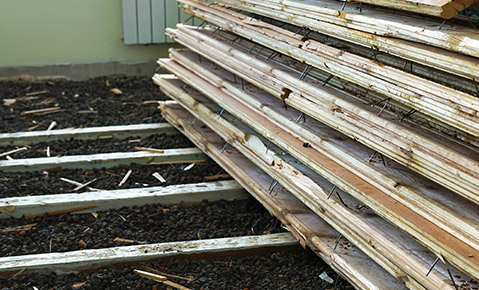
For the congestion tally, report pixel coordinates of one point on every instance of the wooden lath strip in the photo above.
(445, 104)
(308, 228)
(109, 199)
(442, 160)
(183, 155)
(370, 233)
(435, 237)
(94, 258)
(107, 132)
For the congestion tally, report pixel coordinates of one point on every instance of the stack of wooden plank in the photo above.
(406, 197)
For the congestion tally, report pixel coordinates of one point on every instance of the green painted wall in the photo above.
(50, 32)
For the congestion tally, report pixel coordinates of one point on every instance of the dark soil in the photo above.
(147, 224)
(85, 104)
(280, 270)
(41, 183)
(80, 147)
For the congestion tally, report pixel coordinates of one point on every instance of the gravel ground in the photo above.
(84, 104)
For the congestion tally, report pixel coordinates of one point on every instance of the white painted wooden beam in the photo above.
(141, 130)
(87, 259)
(31, 206)
(183, 155)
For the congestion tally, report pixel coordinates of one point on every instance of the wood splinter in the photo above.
(13, 151)
(159, 278)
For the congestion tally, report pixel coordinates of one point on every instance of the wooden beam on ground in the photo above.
(444, 161)
(170, 156)
(450, 106)
(442, 59)
(95, 201)
(436, 232)
(305, 225)
(95, 258)
(392, 249)
(107, 132)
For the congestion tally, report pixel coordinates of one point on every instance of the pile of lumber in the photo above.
(406, 198)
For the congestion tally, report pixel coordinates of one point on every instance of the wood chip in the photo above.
(159, 278)
(42, 111)
(218, 176)
(37, 93)
(171, 276)
(94, 214)
(159, 177)
(78, 285)
(120, 240)
(116, 91)
(9, 102)
(34, 127)
(79, 187)
(19, 228)
(153, 150)
(125, 178)
(13, 151)
(46, 101)
(189, 167)
(52, 125)
(77, 183)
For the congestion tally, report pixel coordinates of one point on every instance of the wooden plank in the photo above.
(307, 227)
(442, 59)
(436, 233)
(186, 155)
(102, 200)
(437, 158)
(435, 100)
(377, 238)
(439, 8)
(439, 206)
(462, 39)
(89, 259)
(130, 25)
(158, 21)
(107, 132)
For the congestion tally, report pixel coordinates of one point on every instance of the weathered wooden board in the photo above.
(431, 231)
(108, 132)
(442, 59)
(307, 227)
(440, 159)
(410, 27)
(89, 259)
(438, 101)
(183, 155)
(95, 201)
(369, 232)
